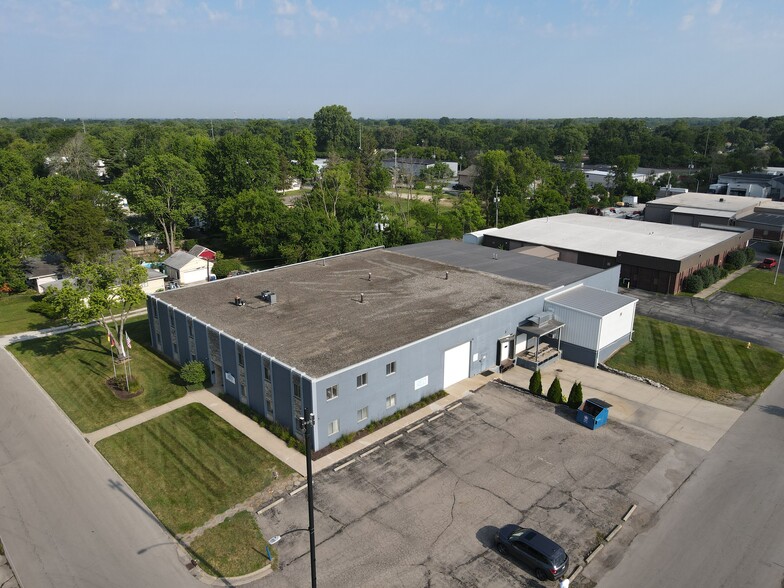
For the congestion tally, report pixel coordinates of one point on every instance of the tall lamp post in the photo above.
(306, 422)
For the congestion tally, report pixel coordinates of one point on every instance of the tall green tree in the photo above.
(335, 130)
(254, 219)
(167, 190)
(104, 290)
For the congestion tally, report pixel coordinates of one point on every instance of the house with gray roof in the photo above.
(183, 268)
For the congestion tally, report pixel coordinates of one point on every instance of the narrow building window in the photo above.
(362, 414)
(391, 401)
(332, 392)
(362, 380)
(391, 368)
(334, 427)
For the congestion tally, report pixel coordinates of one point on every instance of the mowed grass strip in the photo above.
(16, 316)
(697, 363)
(234, 548)
(73, 369)
(758, 283)
(190, 465)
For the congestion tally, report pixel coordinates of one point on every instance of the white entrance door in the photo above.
(456, 363)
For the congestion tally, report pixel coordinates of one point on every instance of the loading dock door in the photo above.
(456, 363)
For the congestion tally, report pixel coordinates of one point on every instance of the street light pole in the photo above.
(307, 422)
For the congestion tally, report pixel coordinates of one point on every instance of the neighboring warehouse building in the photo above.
(694, 209)
(764, 216)
(756, 184)
(654, 257)
(358, 336)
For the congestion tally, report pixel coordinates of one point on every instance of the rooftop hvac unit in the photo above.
(269, 297)
(541, 318)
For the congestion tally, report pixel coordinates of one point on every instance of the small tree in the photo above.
(751, 254)
(535, 384)
(193, 372)
(735, 260)
(554, 392)
(575, 395)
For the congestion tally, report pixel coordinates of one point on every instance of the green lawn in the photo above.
(758, 283)
(190, 465)
(234, 548)
(73, 368)
(15, 316)
(697, 363)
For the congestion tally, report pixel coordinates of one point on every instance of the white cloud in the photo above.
(323, 19)
(213, 15)
(285, 27)
(285, 8)
(687, 20)
(432, 5)
(714, 7)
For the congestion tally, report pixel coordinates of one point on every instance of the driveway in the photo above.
(730, 315)
(66, 517)
(421, 508)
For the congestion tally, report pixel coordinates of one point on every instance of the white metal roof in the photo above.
(703, 212)
(592, 300)
(605, 236)
(712, 201)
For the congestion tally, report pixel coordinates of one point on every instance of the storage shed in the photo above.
(186, 268)
(596, 323)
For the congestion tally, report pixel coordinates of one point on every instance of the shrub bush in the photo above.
(575, 395)
(189, 244)
(693, 284)
(535, 384)
(735, 260)
(222, 267)
(193, 372)
(751, 254)
(774, 247)
(554, 392)
(43, 308)
(707, 276)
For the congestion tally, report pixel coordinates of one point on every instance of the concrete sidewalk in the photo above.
(680, 417)
(713, 288)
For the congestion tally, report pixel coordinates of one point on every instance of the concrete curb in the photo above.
(629, 513)
(594, 553)
(271, 505)
(613, 533)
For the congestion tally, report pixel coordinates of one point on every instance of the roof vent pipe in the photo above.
(369, 275)
(361, 297)
(446, 277)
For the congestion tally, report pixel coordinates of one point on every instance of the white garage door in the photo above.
(456, 363)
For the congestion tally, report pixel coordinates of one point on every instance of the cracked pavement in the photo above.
(423, 510)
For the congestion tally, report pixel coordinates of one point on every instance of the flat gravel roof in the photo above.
(722, 202)
(318, 324)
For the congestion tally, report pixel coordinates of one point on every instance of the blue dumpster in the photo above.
(593, 413)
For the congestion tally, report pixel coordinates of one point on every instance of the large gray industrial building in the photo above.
(358, 336)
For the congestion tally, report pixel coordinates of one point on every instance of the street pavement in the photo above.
(725, 525)
(66, 518)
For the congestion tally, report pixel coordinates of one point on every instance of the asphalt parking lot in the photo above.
(422, 508)
(724, 313)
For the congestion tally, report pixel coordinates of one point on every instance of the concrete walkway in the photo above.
(680, 417)
(715, 287)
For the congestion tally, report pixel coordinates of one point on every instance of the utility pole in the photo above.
(307, 423)
(496, 200)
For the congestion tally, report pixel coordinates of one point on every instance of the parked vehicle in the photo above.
(768, 263)
(545, 556)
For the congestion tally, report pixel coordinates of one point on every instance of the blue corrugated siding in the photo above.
(281, 389)
(255, 380)
(229, 358)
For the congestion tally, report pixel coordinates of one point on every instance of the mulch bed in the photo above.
(122, 393)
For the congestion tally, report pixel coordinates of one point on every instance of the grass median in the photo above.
(758, 283)
(234, 548)
(74, 367)
(696, 363)
(190, 465)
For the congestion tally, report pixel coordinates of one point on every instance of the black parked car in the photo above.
(546, 557)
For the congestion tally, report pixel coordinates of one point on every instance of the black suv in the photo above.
(547, 558)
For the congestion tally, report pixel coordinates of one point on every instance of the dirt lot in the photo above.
(423, 509)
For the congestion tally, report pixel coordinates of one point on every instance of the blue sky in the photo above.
(391, 59)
